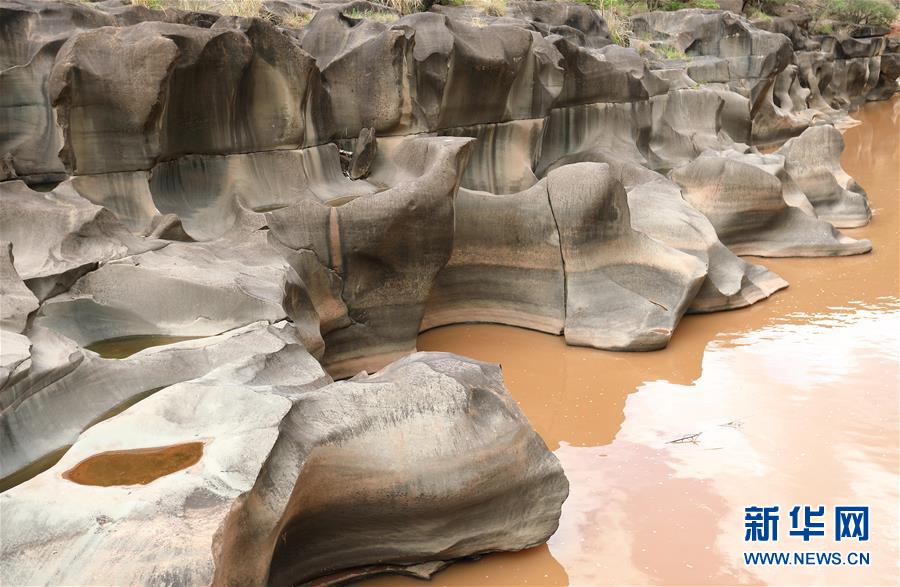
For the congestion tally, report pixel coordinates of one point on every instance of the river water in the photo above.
(793, 401)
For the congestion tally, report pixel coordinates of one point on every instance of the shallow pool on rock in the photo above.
(134, 467)
(125, 346)
(793, 401)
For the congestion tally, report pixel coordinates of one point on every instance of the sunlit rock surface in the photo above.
(306, 201)
(624, 290)
(66, 388)
(18, 304)
(166, 528)
(297, 479)
(58, 236)
(813, 162)
(506, 265)
(471, 476)
(376, 256)
(183, 289)
(746, 206)
(658, 209)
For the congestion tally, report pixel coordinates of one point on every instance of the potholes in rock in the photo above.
(44, 186)
(269, 208)
(340, 201)
(125, 346)
(134, 467)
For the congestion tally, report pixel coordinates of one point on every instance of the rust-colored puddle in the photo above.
(793, 401)
(125, 346)
(134, 467)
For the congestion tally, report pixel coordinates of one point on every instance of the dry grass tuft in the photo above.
(491, 7)
(404, 6)
(385, 17)
(245, 8)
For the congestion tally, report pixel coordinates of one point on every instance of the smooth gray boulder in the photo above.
(503, 157)
(275, 457)
(620, 128)
(750, 53)
(433, 73)
(570, 20)
(112, 525)
(685, 123)
(127, 113)
(813, 161)
(659, 211)
(506, 266)
(746, 206)
(624, 290)
(32, 33)
(126, 194)
(29, 135)
(608, 75)
(67, 388)
(18, 301)
(663, 132)
(184, 289)
(210, 193)
(369, 263)
(472, 477)
(363, 154)
(58, 236)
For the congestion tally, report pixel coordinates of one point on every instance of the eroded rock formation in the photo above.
(296, 478)
(302, 202)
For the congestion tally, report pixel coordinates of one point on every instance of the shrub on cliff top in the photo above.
(869, 12)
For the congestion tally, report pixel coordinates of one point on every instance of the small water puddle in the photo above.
(125, 346)
(134, 467)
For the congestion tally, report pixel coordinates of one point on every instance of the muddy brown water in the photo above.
(125, 346)
(795, 400)
(136, 466)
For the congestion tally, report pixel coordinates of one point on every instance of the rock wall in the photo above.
(303, 202)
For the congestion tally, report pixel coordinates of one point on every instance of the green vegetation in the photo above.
(823, 28)
(866, 12)
(243, 8)
(670, 53)
(764, 7)
(377, 16)
(491, 7)
(863, 12)
(617, 13)
(404, 6)
(757, 14)
(296, 21)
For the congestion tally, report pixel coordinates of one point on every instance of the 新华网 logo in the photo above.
(842, 523)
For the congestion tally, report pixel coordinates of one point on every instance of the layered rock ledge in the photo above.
(220, 237)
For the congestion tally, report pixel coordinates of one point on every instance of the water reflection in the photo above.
(790, 414)
(792, 401)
